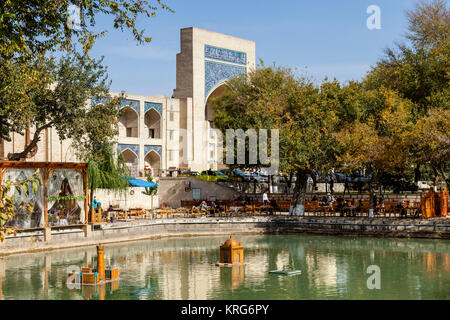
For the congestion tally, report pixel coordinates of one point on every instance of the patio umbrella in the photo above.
(140, 183)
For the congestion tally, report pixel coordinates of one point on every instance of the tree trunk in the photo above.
(32, 145)
(417, 173)
(298, 199)
(441, 173)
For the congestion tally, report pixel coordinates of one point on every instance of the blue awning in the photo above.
(140, 183)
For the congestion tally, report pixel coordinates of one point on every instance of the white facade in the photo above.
(161, 133)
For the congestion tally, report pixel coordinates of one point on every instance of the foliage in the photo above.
(58, 99)
(273, 98)
(7, 190)
(430, 140)
(34, 26)
(150, 191)
(420, 71)
(104, 171)
(428, 23)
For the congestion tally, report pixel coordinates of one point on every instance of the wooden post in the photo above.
(86, 200)
(99, 214)
(100, 263)
(92, 218)
(45, 182)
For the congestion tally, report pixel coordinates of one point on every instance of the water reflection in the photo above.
(183, 268)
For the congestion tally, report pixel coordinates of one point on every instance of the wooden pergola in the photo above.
(46, 169)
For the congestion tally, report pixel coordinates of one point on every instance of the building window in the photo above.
(196, 194)
(170, 135)
(151, 133)
(171, 116)
(170, 155)
(129, 132)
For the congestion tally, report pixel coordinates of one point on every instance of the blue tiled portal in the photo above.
(157, 149)
(225, 55)
(216, 73)
(156, 106)
(130, 103)
(133, 147)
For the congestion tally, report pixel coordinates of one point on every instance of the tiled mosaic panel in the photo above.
(225, 55)
(156, 106)
(131, 103)
(216, 73)
(133, 147)
(157, 149)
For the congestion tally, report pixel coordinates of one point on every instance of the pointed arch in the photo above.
(152, 121)
(129, 123)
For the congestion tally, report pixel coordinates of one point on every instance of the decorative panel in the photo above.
(133, 147)
(157, 149)
(130, 103)
(156, 106)
(216, 73)
(225, 55)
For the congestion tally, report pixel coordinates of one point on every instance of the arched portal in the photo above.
(209, 108)
(131, 161)
(152, 123)
(153, 161)
(129, 123)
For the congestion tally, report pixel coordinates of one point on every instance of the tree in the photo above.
(60, 102)
(273, 98)
(430, 138)
(30, 27)
(428, 23)
(105, 170)
(419, 69)
(7, 190)
(376, 141)
(150, 191)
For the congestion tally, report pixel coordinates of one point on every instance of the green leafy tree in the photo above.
(274, 98)
(376, 141)
(105, 171)
(419, 69)
(60, 102)
(153, 191)
(35, 26)
(430, 140)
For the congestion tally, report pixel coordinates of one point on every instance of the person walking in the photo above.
(347, 185)
(331, 184)
(265, 198)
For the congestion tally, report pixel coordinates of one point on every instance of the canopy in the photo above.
(140, 183)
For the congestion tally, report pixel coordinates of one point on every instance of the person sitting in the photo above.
(203, 206)
(314, 198)
(274, 205)
(95, 204)
(330, 201)
(401, 208)
(213, 206)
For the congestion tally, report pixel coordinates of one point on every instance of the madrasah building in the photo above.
(157, 133)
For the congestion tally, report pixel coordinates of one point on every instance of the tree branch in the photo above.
(20, 155)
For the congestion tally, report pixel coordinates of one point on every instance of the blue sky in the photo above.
(324, 37)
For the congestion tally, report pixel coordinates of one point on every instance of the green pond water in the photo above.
(183, 268)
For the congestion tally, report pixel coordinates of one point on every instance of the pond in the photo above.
(184, 268)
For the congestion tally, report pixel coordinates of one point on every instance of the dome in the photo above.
(231, 243)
